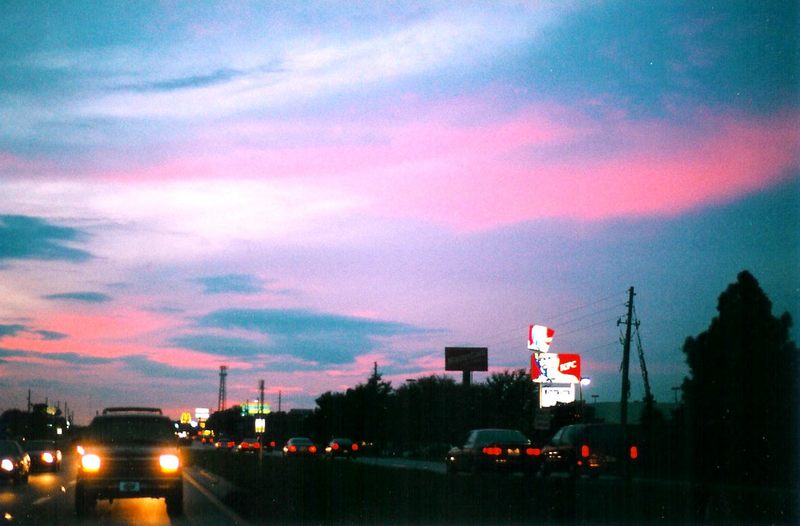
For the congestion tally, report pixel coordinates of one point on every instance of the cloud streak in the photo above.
(84, 297)
(23, 237)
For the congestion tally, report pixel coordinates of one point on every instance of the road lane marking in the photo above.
(215, 501)
(41, 500)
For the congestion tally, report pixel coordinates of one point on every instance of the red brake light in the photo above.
(584, 451)
(256, 445)
(335, 446)
(272, 443)
(533, 451)
(634, 452)
(312, 449)
(292, 449)
(492, 451)
(355, 447)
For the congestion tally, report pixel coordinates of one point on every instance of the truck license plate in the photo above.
(129, 487)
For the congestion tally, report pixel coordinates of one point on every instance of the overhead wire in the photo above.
(547, 319)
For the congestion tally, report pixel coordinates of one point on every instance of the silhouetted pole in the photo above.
(223, 372)
(626, 386)
(261, 415)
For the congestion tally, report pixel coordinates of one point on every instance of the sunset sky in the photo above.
(300, 189)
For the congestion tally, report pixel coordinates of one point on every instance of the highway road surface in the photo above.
(48, 499)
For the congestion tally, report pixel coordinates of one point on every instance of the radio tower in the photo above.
(223, 372)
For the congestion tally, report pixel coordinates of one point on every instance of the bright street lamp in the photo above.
(585, 380)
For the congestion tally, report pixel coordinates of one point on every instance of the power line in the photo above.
(517, 330)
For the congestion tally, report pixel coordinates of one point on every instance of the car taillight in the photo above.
(272, 443)
(169, 463)
(292, 449)
(533, 451)
(312, 449)
(584, 451)
(90, 463)
(335, 446)
(634, 452)
(256, 445)
(355, 447)
(245, 445)
(492, 451)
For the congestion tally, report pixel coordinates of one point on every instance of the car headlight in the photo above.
(7, 465)
(90, 463)
(80, 450)
(47, 457)
(169, 463)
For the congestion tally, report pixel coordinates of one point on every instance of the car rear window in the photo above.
(500, 435)
(131, 429)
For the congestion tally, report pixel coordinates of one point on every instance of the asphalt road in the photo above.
(48, 499)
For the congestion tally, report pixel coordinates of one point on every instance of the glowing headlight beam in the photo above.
(90, 463)
(169, 463)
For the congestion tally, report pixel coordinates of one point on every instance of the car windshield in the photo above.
(506, 436)
(36, 445)
(131, 429)
(8, 447)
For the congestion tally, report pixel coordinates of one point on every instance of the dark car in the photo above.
(494, 450)
(341, 447)
(45, 455)
(589, 449)
(299, 447)
(15, 463)
(225, 443)
(129, 452)
(249, 445)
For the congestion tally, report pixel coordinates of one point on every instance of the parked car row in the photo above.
(577, 449)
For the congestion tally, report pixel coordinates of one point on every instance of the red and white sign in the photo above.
(540, 338)
(556, 368)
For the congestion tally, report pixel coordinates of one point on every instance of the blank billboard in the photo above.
(466, 359)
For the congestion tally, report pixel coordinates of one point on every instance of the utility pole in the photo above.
(29, 400)
(280, 396)
(626, 386)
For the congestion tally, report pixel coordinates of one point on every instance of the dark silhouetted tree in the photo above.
(741, 396)
(511, 400)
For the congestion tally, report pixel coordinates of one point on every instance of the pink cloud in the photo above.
(662, 170)
(460, 167)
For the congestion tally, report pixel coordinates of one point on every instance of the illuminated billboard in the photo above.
(556, 368)
(540, 338)
(550, 395)
(255, 408)
(466, 359)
